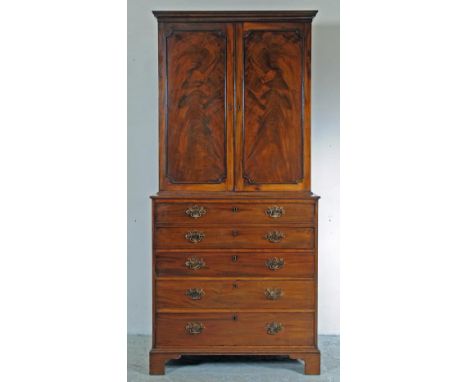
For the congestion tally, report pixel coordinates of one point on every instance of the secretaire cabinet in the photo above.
(234, 222)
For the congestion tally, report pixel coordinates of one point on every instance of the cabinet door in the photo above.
(273, 106)
(195, 106)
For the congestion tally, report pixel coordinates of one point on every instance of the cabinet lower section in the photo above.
(235, 276)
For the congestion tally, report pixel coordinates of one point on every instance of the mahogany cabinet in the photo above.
(234, 223)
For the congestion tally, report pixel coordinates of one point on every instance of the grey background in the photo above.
(143, 142)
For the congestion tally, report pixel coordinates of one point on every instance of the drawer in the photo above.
(236, 212)
(234, 294)
(235, 237)
(234, 329)
(212, 264)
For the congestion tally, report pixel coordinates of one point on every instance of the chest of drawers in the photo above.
(235, 225)
(235, 276)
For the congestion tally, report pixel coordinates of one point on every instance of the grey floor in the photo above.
(238, 369)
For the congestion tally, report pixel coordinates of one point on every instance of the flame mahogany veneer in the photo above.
(234, 223)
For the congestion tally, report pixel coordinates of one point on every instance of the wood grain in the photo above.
(273, 134)
(237, 294)
(234, 212)
(196, 137)
(232, 264)
(235, 237)
(246, 330)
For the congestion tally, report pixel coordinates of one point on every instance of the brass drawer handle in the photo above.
(273, 293)
(195, 236)
(275, 212)
(196, 211)
(275, 236)
(194, 328)
(195, 293)
(274, 328)
(274, 263)
(194, 263)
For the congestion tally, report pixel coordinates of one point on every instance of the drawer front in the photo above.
(235, 237)
(200, 213)
(222, 264)
(234, 294)
(235, 329)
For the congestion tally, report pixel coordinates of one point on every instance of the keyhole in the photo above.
(234, 317)
(235, 209)
(235, 286)
(234, 258)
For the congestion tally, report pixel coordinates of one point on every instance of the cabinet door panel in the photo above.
(272, 128)
(197, 129)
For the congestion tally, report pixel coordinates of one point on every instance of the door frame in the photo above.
(241, 183)
(165, 30)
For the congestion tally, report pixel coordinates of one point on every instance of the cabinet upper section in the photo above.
(234, 101)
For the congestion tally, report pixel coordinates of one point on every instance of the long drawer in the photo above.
(235, 237)
(236, 212)
(234, 329)
(225, 264)
(234, 294)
